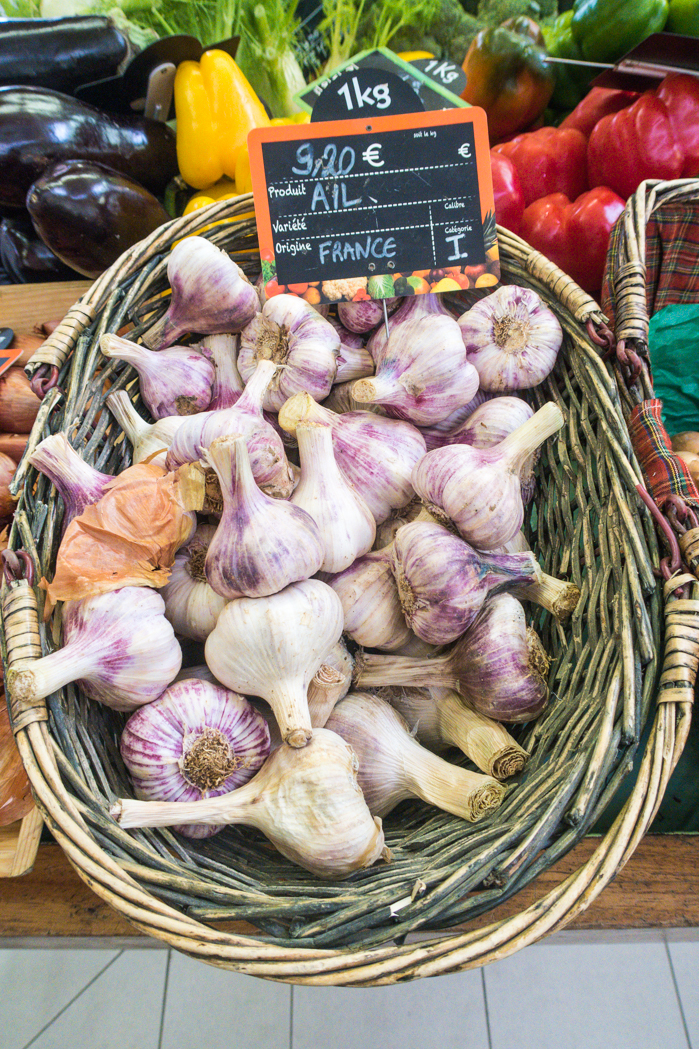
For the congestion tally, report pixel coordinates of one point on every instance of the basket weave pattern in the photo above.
(586, 525)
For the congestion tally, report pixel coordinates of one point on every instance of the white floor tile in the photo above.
(122, 1009)
(37, 984)
(217, 1009)
(685, 963)
(444, 1011)
(587, 997)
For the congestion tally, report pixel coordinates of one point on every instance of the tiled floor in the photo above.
(560, 994)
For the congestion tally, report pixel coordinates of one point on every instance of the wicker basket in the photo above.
(587, 524)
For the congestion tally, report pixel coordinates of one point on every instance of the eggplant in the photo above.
(60, 53)
(88, 214)
(39, 127)
(25, 257)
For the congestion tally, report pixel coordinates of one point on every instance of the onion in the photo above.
(18, 402)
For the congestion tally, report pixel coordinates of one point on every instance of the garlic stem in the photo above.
(470, 795)
(486, 742)
(31, 680)
(78, 483)
(330, 684)
(555, 595)
(523, 442)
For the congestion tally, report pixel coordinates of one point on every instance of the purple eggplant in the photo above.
(39, 127)
(24, 256)
(88, 214)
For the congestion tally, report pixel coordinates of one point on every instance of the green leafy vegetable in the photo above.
(268, 31)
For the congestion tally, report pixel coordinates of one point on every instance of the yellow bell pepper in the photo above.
(215, 108)
(224, 189)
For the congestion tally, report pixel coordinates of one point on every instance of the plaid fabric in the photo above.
(665, 473)
(672, 259)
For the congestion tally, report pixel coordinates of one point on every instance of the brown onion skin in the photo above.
(18, 402)
(15, 792)
(13, 445)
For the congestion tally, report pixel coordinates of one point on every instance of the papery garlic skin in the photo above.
(422, 374)
(306, 802)
(393, 766)
(512, 339)
(191, 605)
(149, 441)
(345, 522)
(437, 435)
(270, 467)
(353, 360)
(376, 455)
(365, 315)
(118, 647)
(479, 488)
(197, 740)
(272, 646)
(176, 381)
(442, 581)
(210, 294)
(373, 616)
(292, 334)
(261, 544)
(411, 308)
(222, 351)
(79, 484)
(330, 683)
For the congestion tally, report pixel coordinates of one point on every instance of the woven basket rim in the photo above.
(385, 964)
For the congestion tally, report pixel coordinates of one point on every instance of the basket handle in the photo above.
(46, 362)
(20, 617)
(681, 655)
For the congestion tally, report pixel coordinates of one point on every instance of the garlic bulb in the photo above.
(150, 441)
(376, 455)
(393, 766)
(512, 339)
(411, 308)
(222, 351)
(499, 665)
(330, 683)
(421, 373)
(491, 422)
(353, 361)
(365, 315)
(291, 333)
(191, 605)
(437, 435)
(442, 582)
(345, 522)
(177, 381)
(306, 802)
(261, 544)
(270, 467)
(272, 646)
(118, 647)
(479, 488)
(441, 718)
(79, 484)
(210, 294)
(197, 740)
(386, 531)
(373, 616)
(341, 400)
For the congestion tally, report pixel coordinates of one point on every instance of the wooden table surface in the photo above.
(657, 889)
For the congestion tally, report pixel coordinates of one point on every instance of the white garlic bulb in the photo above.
(150, 441)
(191, 605)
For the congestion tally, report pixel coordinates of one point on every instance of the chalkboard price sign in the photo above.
(375, 207)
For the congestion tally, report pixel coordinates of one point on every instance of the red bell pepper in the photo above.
(632, 145)
(507, 192)
(574, 234)
(598, 102)
(550, 160)
(680, 93)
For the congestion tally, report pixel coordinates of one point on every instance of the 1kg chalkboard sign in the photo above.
(357, 209)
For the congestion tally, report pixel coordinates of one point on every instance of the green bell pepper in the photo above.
(572, 82)
(683, 17)
(606, 29)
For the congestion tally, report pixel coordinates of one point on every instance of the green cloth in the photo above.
(673, 345)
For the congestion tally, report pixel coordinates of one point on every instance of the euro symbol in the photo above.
(371, 155)
(465, 150)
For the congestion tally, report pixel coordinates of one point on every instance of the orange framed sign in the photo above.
(375, 207)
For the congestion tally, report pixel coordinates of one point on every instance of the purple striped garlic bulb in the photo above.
(198, 740)
(176, 381)
(291, 333)
(79, 484)
(118, 647)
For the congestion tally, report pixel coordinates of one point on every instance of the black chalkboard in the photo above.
(389, 197)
